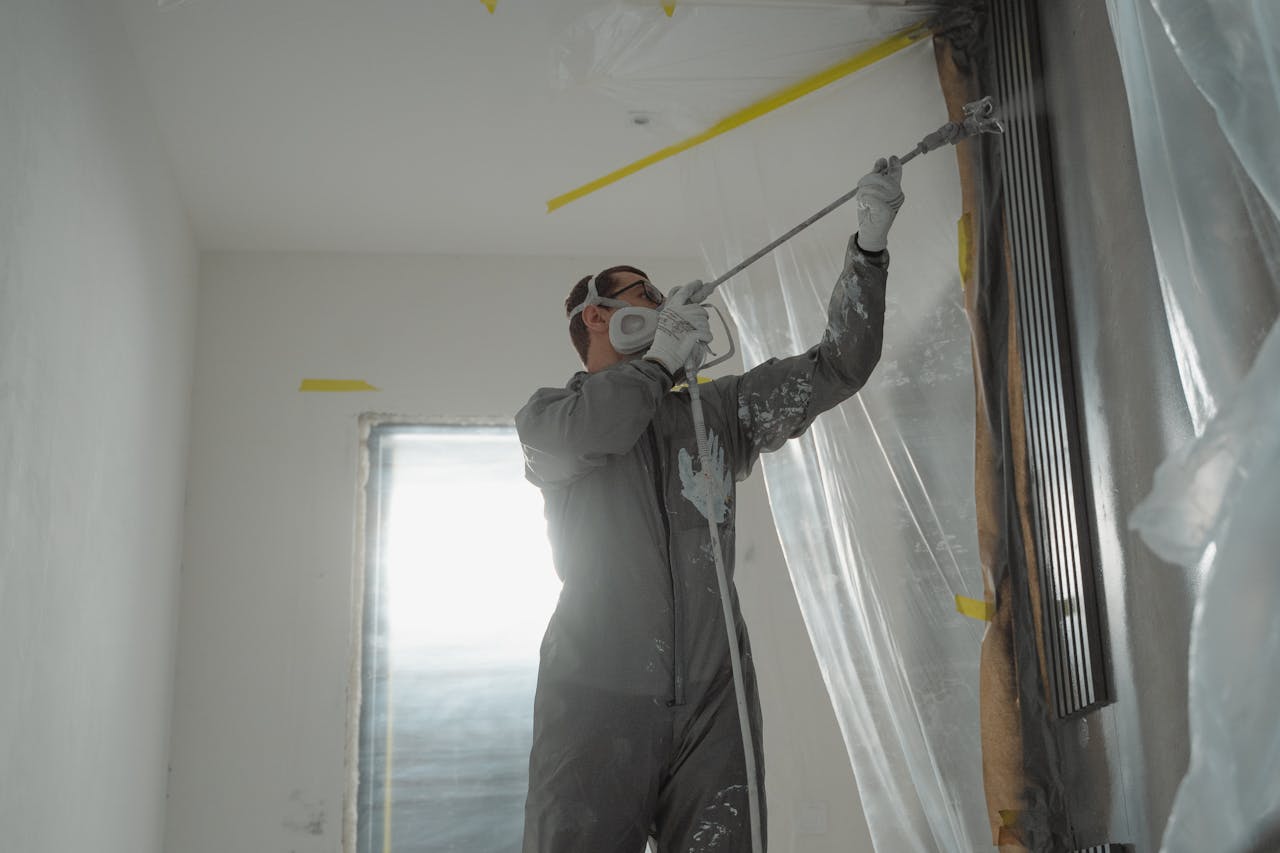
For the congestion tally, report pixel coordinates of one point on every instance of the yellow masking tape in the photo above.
(965, 228)
(490, 5)
(669, 6)
(975, 609)
(684, 386)
(794, 92)
(335, 385)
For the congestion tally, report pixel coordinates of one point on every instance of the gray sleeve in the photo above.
(780, 398)
(568, 431)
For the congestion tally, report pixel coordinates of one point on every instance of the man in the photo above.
(636, 728)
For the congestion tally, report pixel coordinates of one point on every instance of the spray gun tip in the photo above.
(984, 110)
(981, 108)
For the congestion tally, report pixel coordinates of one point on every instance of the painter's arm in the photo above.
(780, 398)
(566, 432)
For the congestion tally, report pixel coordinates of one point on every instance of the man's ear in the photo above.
(595, 318)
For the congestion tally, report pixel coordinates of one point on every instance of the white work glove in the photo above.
(683, 327)
(879, 197)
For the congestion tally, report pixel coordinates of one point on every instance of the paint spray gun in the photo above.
(979, 118)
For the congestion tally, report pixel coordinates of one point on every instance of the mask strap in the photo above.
(594, 298)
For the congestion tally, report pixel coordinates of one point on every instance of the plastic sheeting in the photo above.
(715, 58)
(1203, 80)
(874, 504)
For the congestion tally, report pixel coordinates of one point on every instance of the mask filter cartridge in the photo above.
(632, 329)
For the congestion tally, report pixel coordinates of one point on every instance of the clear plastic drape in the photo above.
(874, 504)
(1203, 81)
(686, 73)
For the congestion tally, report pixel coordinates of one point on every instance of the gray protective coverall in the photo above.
(635, 722)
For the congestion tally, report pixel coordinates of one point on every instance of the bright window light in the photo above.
(467, 559)
(459, 586)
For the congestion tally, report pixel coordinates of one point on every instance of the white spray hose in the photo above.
(979, 118)
(712, 488)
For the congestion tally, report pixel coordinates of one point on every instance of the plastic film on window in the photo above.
(1204, 93)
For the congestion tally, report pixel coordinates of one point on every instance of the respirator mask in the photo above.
(631, 328)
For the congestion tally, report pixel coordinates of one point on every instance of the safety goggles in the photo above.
(649, 292)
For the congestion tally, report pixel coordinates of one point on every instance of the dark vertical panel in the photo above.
(1069, 603)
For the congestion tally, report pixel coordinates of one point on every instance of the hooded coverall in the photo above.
(635, 721)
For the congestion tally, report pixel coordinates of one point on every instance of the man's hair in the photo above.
(604, 287)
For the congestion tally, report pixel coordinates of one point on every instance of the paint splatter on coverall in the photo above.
(635, 720)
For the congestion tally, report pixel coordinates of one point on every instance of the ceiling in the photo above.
(421, 126)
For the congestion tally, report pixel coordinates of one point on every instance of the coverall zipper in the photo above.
(677, 667)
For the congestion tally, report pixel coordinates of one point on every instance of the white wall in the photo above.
(97, 298)
(261, 705)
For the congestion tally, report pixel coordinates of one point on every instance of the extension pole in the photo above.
(979, 118)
